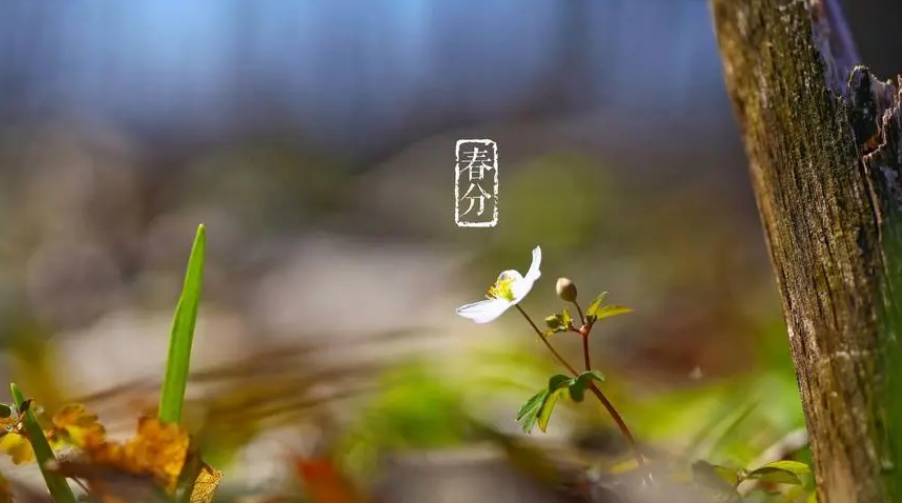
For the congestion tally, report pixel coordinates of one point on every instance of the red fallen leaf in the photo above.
(325, 483)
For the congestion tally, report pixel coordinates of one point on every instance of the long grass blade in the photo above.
(172, 396)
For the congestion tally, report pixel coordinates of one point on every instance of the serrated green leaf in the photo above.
(578, 386)
(538, 409)
(719, 478)
(548, 407)
(529, 413)
(781, 472)
(611, 311)
(532, 405)
(558, 381)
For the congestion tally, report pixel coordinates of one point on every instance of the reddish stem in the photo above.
(621, 424)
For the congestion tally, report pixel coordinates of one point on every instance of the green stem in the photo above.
(579, 310)
(57, 485)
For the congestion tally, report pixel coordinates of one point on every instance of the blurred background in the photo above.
(315, 139)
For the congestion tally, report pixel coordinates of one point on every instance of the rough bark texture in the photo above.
(824, 157)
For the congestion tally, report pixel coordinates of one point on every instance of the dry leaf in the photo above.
(117, 473)
(73, 425)
(158, 449)
(324, 482)
(205, 485)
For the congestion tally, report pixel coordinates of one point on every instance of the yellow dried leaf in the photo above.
(158, 449)
(205, 485)
(75, 426)
(153, 458)
(17, 447)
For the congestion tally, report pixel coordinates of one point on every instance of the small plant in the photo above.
(726, 480)
(159, 464)
(511, 288)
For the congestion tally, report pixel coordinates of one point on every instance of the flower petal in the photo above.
(484, 311)
(534, 273)
(520, 289)
(510, 275)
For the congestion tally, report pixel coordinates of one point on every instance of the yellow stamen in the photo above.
(502, 288)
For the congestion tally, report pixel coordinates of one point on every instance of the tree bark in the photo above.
(823, 141)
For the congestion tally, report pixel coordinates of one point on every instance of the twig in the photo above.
(579, 310)
(547, 343)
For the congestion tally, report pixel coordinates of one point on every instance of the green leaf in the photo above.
(555, 324)
(529, 413)
(5, 411)
(578, 386)
(611, 311)
(781, 472)
(538, 409)
(57, 485)
(720, 478)
(172, 396)
(566, 319)
(594, 306)
(551, 400)
(558, 381)
(558, 386)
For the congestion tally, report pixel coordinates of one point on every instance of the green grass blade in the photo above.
(172, 395)
(57, 485)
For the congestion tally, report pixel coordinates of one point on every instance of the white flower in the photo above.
(508, 291)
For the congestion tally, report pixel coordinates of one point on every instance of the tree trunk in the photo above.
(823, 141)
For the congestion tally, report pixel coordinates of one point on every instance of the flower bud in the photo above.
(566, 290)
